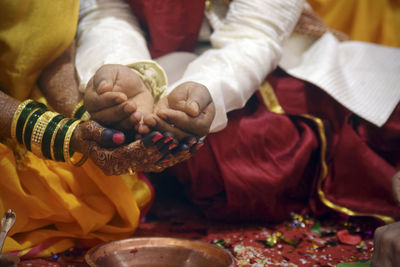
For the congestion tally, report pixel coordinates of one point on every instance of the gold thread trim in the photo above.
(272, 104)
(324, 174)
(270, 99)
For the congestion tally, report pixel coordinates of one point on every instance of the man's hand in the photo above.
(116, 96)
(187, 111)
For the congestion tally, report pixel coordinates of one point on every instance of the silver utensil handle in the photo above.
(2, 238)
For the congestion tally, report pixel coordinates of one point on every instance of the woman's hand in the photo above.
(153, 153)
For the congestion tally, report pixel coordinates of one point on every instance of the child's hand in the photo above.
(187, 111)
(117, 97)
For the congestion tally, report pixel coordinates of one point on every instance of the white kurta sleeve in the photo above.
(245, 48)
(109, 33)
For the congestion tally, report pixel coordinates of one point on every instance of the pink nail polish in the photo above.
(118, 138)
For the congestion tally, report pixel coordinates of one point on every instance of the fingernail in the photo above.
(106, 138)
(190, 140)
(157, 136)
(173, 144)
(168, 139)
(151, 138)
(196, 147)
(163, 147)
(194, 106)
(118, 138)
(182, 148)
(102, 84)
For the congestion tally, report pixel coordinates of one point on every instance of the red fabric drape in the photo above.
(264, 165)
(172, 25)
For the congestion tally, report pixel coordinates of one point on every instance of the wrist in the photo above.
(76, 140)
(152, 75)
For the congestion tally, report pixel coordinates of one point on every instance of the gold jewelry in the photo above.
(53, 137)
(48, 133)
(31, 119)
(67, 141)
(38, 132)
(16, 117)
(80, 112)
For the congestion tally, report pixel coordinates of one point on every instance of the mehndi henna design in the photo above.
(140, 155)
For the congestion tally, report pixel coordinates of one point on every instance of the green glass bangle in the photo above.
(79, 113)
(59, 142)
(48, 133)
(24, 115)
(28, 128)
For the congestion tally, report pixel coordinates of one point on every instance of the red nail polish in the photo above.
(157, 137)
(197, 147)
(172, 146)
(192, 142)
(118, 138)
(167, 139)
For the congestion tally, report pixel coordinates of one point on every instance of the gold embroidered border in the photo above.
(270, 99)
(272, 103)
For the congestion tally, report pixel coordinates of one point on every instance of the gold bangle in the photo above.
(38, 132)
(53, 137)
(16, 117)
(80, 112)
(26, 122)
(67, 141)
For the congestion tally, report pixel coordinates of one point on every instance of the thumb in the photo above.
(105, 78)
(196, 98)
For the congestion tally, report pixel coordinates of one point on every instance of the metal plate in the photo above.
(158, 252)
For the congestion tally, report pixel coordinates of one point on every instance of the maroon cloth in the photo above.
(172, 25)
(264, 165)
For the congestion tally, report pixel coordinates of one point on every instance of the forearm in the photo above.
(108, 33)
(59, 83)
(8, 107)
(246, 47)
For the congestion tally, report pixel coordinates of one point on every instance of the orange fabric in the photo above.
(56, 204)
(363, 20)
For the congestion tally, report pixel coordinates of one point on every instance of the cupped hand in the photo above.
(105, 148)
(187, 111)
(117, 97)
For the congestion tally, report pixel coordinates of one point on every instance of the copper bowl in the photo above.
(159, 252)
